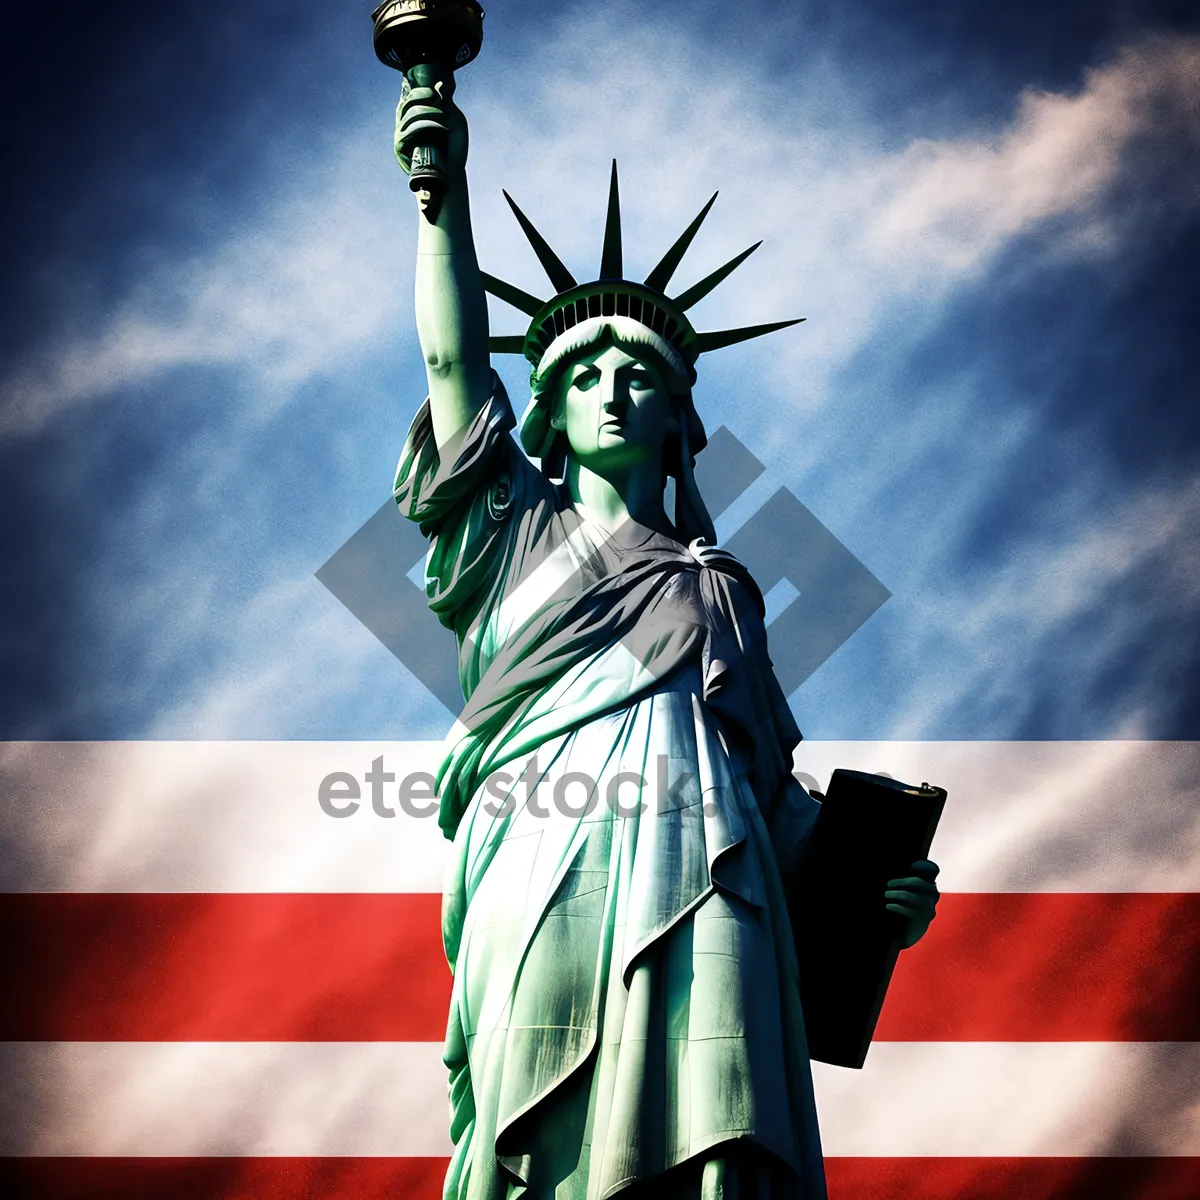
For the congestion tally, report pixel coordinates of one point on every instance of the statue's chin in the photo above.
(616, 439)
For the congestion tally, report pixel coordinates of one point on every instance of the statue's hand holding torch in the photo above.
(428, 40)
(428, 117)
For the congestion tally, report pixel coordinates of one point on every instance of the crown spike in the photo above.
(528, 304)
(698, 291)
(729, 337)
(610, 256)
(658, 279)
(551, 263)
(507, 344)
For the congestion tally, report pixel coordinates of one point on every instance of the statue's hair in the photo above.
(631, 336)
(542, 440)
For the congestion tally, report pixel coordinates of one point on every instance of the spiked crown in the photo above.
(613, 295)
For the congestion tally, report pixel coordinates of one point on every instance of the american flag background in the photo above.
(989, 215)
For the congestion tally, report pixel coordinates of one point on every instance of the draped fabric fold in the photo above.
(618, 789)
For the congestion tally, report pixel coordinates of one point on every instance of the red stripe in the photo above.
(1119, 967)
(354, 967)
(223, 1178)
(421, 1178)
(1013, 1178)
(223, 967)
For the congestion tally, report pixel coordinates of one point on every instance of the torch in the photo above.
(428, 40)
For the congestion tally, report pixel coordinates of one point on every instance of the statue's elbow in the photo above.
(439, 366)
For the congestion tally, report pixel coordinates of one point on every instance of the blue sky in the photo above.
(988, 215)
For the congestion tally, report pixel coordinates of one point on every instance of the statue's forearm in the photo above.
(452, 321)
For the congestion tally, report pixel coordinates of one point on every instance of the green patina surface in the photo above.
(626, 1015)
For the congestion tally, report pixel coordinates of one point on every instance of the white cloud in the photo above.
(998, 635)
(849, 228)
(846, 226)
(285, 299)
(320, 280)
(955, 203)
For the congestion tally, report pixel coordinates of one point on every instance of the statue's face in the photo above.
(617, 410)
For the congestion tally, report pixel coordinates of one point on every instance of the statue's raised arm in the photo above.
(452, 320)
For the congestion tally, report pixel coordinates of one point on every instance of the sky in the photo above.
(988, 214)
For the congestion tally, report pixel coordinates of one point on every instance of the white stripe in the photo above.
(1106, 816)
(1119, 816)
(320, 1099)
(224, 1098)
(1016, 1099)
(207, 817)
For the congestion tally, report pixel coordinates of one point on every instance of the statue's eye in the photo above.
(585, 380)
(641, 381)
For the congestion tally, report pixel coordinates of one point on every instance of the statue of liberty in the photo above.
(625, 1018)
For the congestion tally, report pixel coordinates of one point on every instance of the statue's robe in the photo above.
(626, 1002)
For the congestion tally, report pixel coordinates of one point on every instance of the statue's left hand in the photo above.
(914, 897)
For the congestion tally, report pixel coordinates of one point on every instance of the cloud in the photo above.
(314, 284)
(284, 298)
(1052, 619)
(851, 229)
(955, 203)
(847, 225)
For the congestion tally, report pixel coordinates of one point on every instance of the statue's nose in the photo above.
(615, 398)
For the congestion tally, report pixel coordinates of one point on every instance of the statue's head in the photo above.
(614, 408)
(629, 338)
(610, 371)
(612, 394)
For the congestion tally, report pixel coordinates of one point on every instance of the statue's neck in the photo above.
(614, 500)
